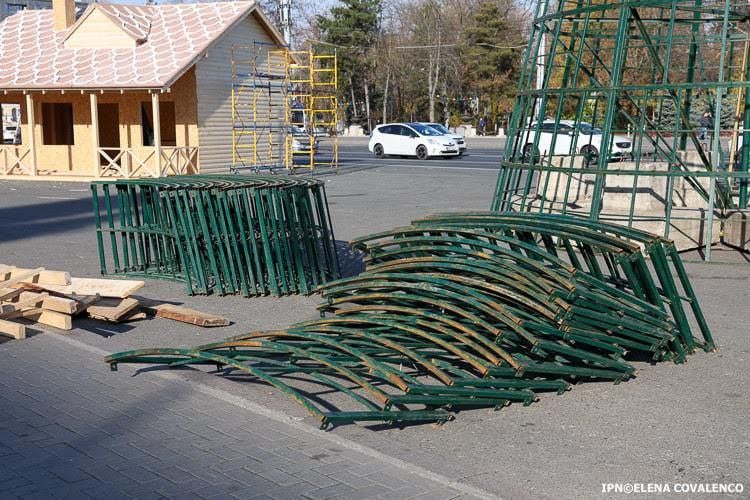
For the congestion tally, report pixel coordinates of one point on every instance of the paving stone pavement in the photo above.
(70, 428)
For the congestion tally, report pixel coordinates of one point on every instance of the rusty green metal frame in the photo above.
(633, 70)
(470, 310)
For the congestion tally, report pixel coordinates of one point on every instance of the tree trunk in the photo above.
(354, 100)
(432, 83)
(445, 102)
(367, 105)
(385, 96)
(433, 78)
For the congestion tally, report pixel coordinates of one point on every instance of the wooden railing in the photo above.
(144, 162)
(15, 159)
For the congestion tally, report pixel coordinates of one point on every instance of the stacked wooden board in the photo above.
(53, 298)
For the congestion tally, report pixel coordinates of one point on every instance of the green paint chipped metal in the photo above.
(471, 310)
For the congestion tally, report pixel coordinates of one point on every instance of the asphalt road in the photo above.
(673, 423)
(482, 154)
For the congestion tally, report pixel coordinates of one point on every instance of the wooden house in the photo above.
(124, 90)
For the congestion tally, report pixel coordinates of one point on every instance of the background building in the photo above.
(160, 104)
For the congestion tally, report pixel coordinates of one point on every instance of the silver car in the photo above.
(457, 138)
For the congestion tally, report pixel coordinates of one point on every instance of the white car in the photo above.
(572, 138)
(458, 138)
(410, 139)
(301, 143)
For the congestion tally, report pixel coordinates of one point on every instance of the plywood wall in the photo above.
(78, 159)
(99, 31)
(214, 88)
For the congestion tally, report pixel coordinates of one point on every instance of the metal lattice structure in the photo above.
(629, 81)
(233, 234)
(260, 125)
(284, 109)
(313, 107)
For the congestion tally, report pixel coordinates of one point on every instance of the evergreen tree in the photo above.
(491, 66)
(353, 28)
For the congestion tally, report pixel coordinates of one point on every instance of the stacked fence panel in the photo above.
(249, 235)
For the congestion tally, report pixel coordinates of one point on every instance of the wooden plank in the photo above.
(15, 330)
(49, 318)
(9, 293)
(112, 309)
(25, 276)
(98, 286)
(81, 301)
(134, 315)
(45, 277)
(53, 303)
(185, 315)
(31, 300)
(84, 301)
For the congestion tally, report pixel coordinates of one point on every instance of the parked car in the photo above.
(9, 134)
(301, 142)
(573, 138)
(411, 139)
(458, 138)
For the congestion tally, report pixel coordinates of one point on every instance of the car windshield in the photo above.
(439, 128)
(424, 129)
(587, 129)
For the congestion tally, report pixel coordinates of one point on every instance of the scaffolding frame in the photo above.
(260, 85)
(274, 91)
(632, 69)
(313, 79)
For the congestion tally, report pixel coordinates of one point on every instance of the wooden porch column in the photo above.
(157, 130)
(94, 100)
(31, 132)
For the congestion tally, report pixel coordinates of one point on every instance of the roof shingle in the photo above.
(171, 37)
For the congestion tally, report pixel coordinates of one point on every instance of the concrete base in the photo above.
(354, 131)
(648, 199)
(737, 230)
(466, 130)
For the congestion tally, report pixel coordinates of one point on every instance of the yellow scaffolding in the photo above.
(313, 107)
(280, 96)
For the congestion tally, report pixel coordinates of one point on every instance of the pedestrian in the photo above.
(482, 123)
(704, 122)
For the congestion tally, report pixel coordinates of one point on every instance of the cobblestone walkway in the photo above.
(69, 428)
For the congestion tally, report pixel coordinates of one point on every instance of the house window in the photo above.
(168, 124)
(57, 124)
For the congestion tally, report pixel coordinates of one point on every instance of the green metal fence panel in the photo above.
(238, 234)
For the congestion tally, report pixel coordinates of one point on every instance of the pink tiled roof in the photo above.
(170, 39)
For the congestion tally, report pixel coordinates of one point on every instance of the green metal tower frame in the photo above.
(634, 70)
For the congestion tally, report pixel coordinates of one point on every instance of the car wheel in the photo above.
(590, 155)
(530, 154)
(422, 152)
(379, 151)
